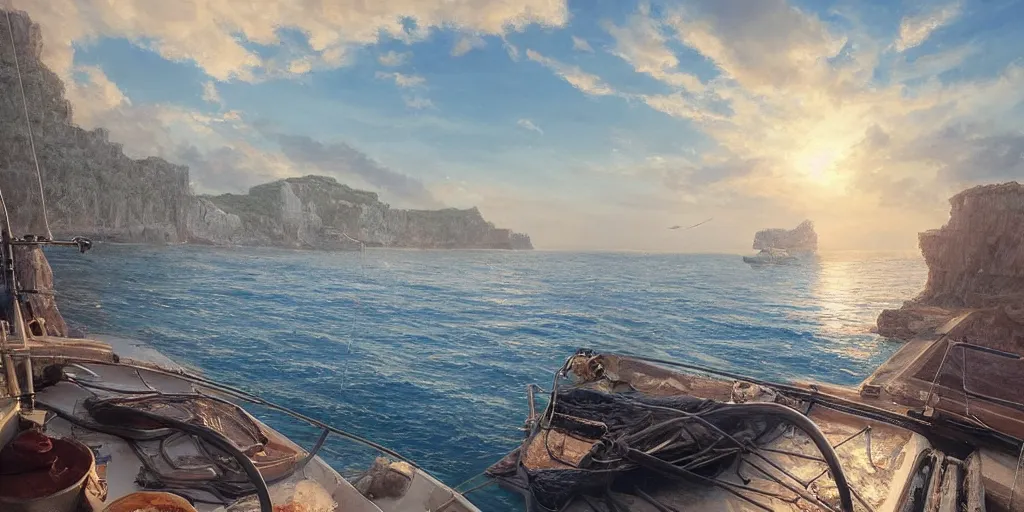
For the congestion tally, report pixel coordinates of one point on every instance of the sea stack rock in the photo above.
(975, 263)
(799, 241)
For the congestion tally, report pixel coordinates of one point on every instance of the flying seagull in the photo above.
(695, 225)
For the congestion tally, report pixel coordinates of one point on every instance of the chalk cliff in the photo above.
(317, 212)
(801, 240)
(91, 188)
(975, 262)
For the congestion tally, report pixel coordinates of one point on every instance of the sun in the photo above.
(819, 165)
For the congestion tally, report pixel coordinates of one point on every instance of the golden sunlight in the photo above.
(818, 164)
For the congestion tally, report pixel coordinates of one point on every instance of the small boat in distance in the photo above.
(771, 256)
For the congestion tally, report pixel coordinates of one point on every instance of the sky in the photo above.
(590, 125)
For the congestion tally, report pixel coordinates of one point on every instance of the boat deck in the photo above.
(290, 476)
(120, 465)
(888, 462)
(877, 458)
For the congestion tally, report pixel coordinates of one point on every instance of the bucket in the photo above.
(146, 500)
(81, 462)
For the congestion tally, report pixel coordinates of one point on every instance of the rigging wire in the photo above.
(239, 394)
(7, 215)
(28, 124)
(1016, 472)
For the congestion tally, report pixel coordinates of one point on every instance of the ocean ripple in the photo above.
(429, 352)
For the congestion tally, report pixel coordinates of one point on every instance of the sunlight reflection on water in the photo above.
(429, 352)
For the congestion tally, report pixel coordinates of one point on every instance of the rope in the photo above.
(7, 215)
(468, 480)
(455, 494)
(1016, 471)
(28, 123)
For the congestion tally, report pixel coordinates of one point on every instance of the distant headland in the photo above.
(320, 213)
(92, 188)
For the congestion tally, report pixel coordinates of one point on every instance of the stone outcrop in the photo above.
(975, 262)
(39, 307)
(91, 187)
(317, 212)
(801, 240)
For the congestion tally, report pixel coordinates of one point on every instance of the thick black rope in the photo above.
(241, 395)
(217, 439)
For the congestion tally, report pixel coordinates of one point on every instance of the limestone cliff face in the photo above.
(977, 258)
(448, 229)
(801, 240)
(208, 224)
(91, 188)
(975, 261)
(317, 212)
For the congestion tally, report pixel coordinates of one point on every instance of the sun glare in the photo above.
(819, 165)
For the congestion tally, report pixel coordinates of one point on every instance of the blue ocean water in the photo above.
(429, 352)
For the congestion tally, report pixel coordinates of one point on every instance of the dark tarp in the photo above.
(588, 441)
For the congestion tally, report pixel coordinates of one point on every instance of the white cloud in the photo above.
(402, 80)
(641, 43)
(794, 122)
(763, 45)
(798, 124)
(679, 105)
(511, 49)
(418, 102)
(300, 66)
(467, 44)
(586, 82)
(580, 44)
(927, 66)
(529, 125)
(210, 33)
(92, 95)
(393, 59)
(223, 153)
(210, 94)
(915, 30)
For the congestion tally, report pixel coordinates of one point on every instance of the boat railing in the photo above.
(325, 430)
(969, 393)
(7, 243)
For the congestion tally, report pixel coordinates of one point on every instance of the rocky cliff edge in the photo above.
(317, 212)
(92, 188)
(975, 263)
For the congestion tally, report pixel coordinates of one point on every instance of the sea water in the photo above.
(429, 352)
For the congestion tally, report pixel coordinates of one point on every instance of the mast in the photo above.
(14, 321)
(28, 125)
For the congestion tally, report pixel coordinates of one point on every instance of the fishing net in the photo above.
(590, 440)
(625, 425)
